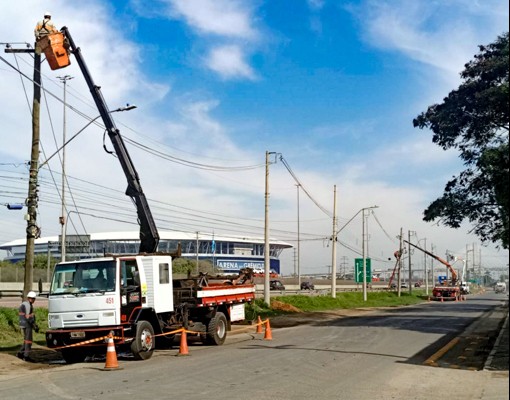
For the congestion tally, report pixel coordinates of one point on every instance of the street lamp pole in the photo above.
(333, 255)
(62, 218)
(363, 251)
(298, 240)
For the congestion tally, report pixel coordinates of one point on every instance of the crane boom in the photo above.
(448, 265)
(149, 237)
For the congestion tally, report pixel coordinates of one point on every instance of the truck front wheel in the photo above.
(143, 345)
(216, 330)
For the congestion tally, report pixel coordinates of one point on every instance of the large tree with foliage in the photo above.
(475, 120)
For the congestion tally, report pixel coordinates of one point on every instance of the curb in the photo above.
(488, 362)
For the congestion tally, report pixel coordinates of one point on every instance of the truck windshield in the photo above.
(89, 277)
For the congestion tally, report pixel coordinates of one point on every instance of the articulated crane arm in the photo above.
(149, 237)
(448, 265)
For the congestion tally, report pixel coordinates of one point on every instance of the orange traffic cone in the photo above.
(183, 348)
(442, 299)
(267, 334)
(111, 355)
(259, 325)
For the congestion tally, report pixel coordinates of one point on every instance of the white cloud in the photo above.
(435, 33)
(229, 62)
(316, 4)
(228, 18)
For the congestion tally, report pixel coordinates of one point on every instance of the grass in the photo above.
(10, 333)
(344, 300)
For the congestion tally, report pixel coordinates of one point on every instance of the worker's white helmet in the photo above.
(47, 14)
(31, 295)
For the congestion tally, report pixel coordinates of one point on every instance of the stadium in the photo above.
(228, 254)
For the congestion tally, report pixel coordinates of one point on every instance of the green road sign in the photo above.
(358, 270)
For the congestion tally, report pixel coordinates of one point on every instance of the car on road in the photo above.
(307, 285)
(275, 284)
(404, 285)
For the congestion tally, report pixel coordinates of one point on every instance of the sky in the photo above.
(328, 87)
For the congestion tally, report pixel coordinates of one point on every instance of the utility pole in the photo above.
(333, 251)
(425, 267)
(409, 250)
(62, 218)
(267, 295)
(363, 250)
(400, 249)
(298, 241)
(432, 247)
(197, 256)
(33, 231)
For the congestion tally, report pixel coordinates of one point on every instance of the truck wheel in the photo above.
(217, 330)
(143, 345)
(73, 356)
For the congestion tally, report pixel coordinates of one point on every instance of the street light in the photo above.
(64, 79)
(363, 251)
(127, 107)
(425, 266)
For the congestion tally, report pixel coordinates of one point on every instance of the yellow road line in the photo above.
(441, 352)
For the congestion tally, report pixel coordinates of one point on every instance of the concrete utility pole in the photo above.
(333, 251)
(62, 218)
(267, 295)
(364, 244)
(298, 241)
(409, 250)
(32, 230)
(400, 249)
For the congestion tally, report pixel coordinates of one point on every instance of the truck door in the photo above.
(130, 289)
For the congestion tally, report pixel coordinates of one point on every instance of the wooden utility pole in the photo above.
(33, 230)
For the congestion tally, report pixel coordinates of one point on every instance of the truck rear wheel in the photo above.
(216, 330)
(143, 345)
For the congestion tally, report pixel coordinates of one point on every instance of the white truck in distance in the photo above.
(136, 299)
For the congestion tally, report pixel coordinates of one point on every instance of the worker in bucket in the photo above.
(44, 27)
(28, 325)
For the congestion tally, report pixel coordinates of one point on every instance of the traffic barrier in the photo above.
(111, 355)
(259, 325)
(267, 334)
(183, 348)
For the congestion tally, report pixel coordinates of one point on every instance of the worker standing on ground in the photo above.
(28, 325)
(44, 27)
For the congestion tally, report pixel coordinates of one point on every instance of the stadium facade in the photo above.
(227, 253)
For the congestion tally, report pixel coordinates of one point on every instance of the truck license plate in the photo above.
(77, 335)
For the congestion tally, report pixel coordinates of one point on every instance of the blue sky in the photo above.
(331, 85)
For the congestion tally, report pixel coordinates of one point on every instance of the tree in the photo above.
(475, 120)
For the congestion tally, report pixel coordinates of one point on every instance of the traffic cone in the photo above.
(267, 334)
(442, 299)
(259, 325)
(111, 355)
(429, 299)
(183, 348)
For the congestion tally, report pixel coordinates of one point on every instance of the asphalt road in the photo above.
(404, 353)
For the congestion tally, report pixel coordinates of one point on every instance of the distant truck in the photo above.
(500, 287)
(464, 288)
